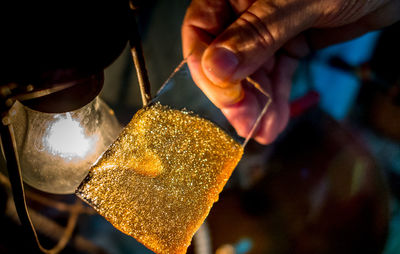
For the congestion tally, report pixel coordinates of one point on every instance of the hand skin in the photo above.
(229, 40)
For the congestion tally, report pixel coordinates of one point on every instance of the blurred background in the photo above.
(329, 184)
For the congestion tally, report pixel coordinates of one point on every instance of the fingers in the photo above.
(203, 20)
(243, 114)
(298, 47)
(254, 37)
(240, 104)
(276, 82)
(277, 116)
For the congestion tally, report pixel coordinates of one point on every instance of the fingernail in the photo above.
(233, 94)
(219, 64)
(225, 97)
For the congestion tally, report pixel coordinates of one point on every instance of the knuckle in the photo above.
(258, 28)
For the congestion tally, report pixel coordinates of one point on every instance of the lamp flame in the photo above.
(66, 138)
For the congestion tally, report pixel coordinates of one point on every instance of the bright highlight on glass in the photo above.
(57, 150)
(66, 138)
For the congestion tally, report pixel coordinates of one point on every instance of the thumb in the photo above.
(254, 37)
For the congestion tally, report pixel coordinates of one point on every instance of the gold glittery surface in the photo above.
(160, 178)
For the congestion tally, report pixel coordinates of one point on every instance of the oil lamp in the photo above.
(56, 150)
(53, 125)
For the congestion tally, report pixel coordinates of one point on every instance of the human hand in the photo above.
(229, 40)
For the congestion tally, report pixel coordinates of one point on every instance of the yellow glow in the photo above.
(66, 138)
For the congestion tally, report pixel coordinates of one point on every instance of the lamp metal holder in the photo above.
(138, 57)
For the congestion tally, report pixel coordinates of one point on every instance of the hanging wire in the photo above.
(263, 111)
(138, 58)
(176, 70)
